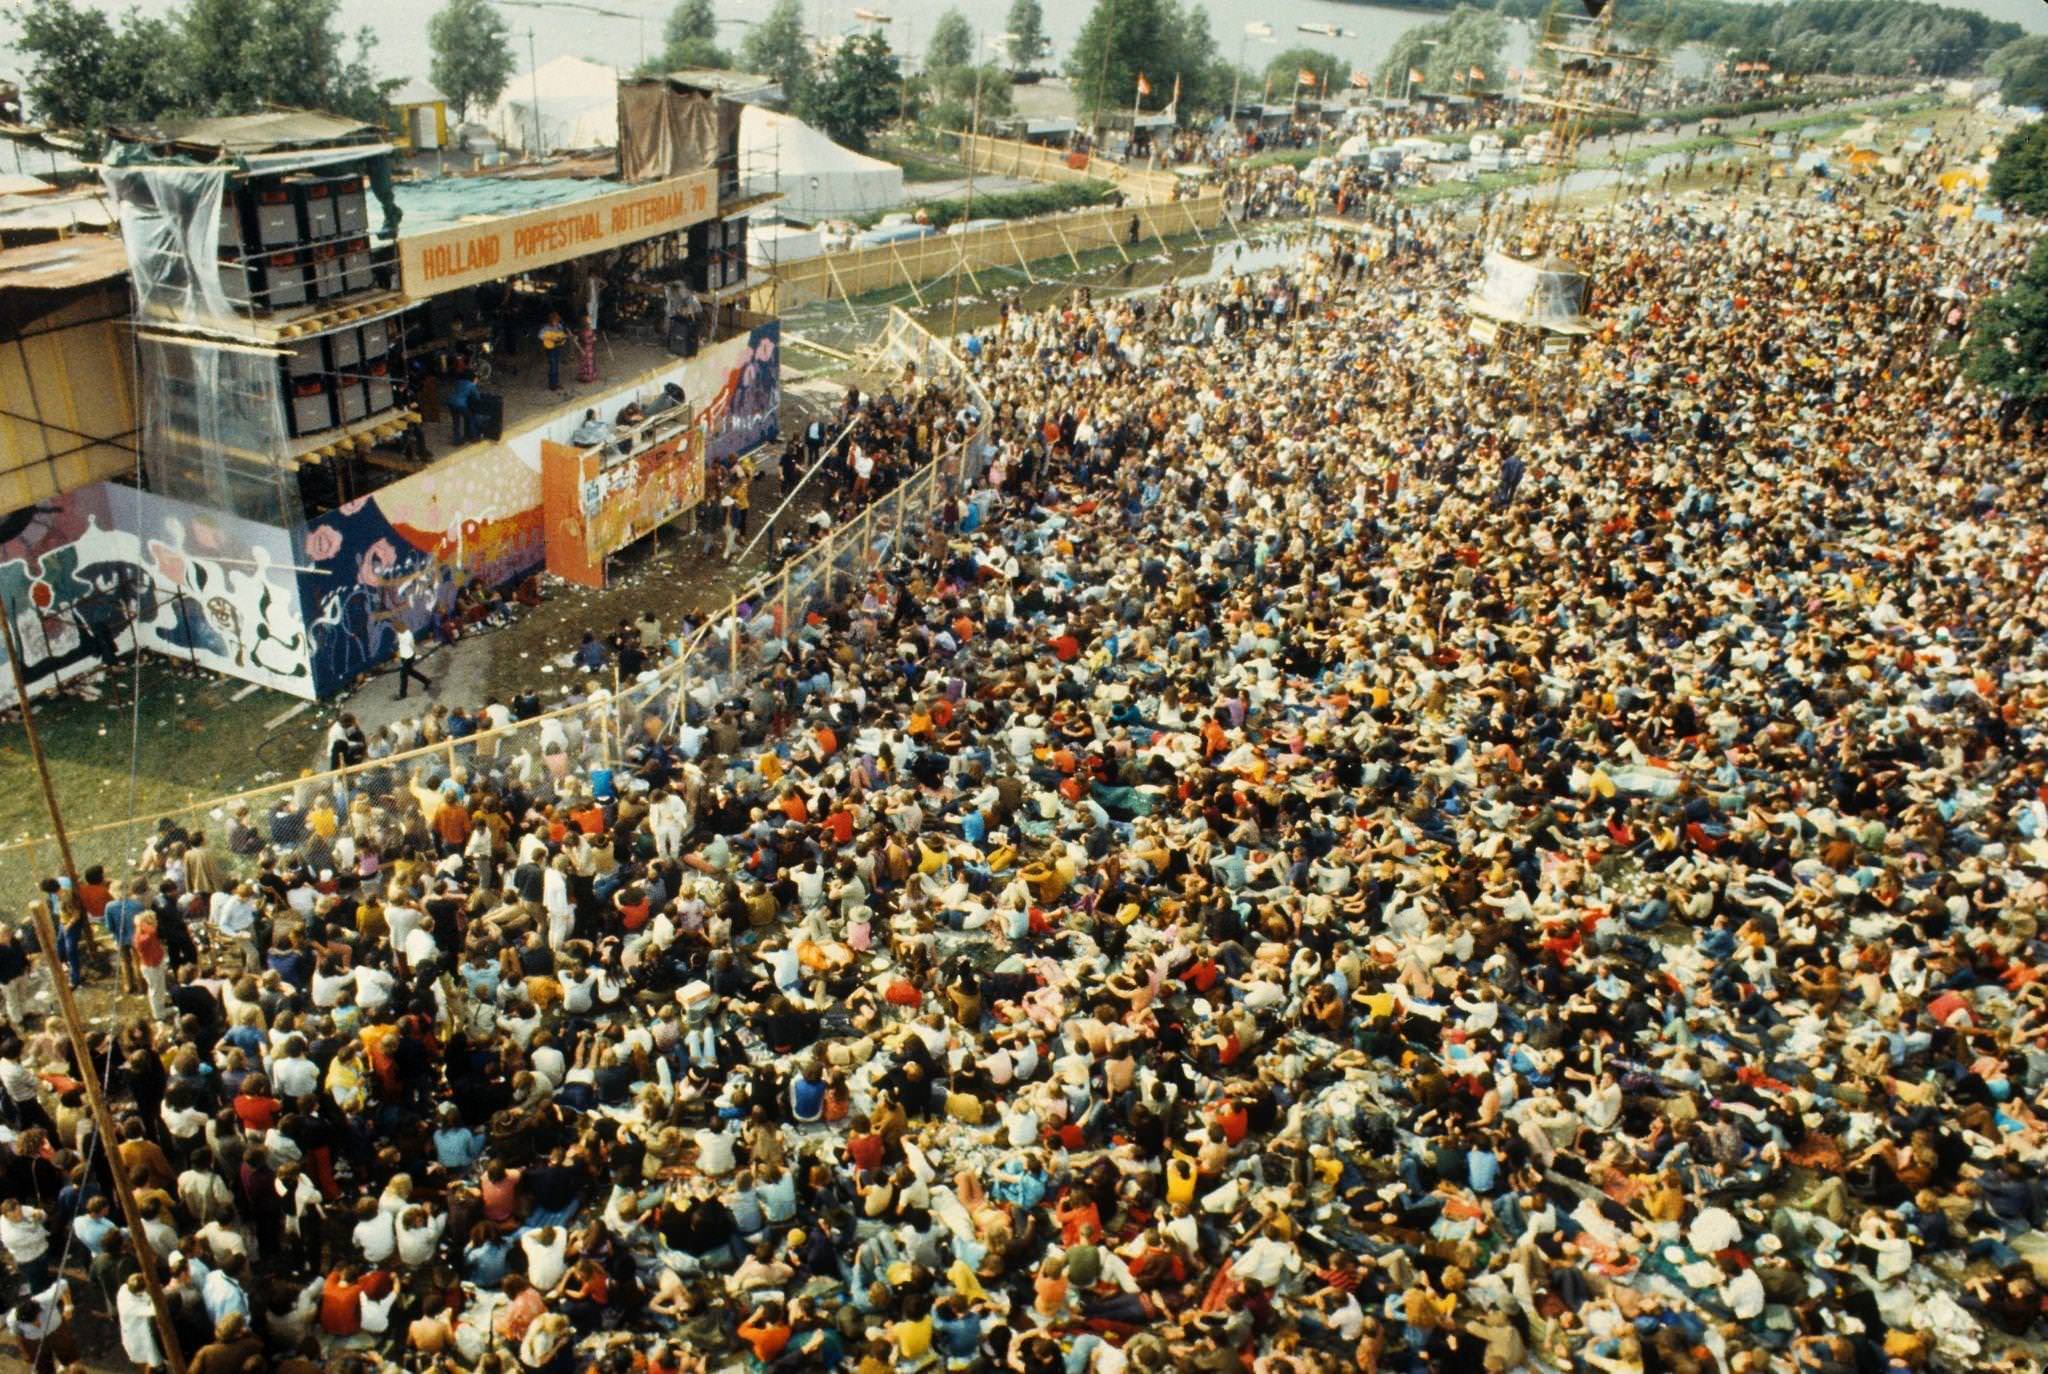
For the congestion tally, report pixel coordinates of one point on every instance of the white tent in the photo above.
(818, 179)
(578, 103)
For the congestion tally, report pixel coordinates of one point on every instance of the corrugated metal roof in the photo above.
(234, 135)
(77, 261)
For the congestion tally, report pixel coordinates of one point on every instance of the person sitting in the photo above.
(590, 432)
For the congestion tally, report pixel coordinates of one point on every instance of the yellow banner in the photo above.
(443, 260)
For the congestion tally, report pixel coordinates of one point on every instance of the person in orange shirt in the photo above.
(452, 824)
(766, 1330)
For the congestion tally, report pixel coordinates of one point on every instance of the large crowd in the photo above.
(1347, 848)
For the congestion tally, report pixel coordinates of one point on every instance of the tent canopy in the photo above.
(1540, 293)
(817, 178)
(578, 103)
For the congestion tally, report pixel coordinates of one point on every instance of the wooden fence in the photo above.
(1018, 243)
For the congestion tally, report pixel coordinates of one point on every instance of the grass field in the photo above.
(196, 740)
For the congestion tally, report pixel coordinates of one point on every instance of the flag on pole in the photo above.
(1144, 86)
(1306, 77)
(1415, 75)
(1360, 81)
(1478, 73)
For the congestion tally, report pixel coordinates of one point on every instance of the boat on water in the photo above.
(871, 17)
(1327, 30)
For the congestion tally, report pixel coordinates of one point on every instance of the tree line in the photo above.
(87, 70)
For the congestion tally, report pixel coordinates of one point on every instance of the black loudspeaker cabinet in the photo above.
(490, 414)
(707, 244)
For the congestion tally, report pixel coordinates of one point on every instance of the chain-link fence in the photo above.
(353, 819)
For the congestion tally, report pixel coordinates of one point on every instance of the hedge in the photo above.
(1027, 203)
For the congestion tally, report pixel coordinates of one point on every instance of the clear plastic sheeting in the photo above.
(170, 222)
(213, 417)
(1538, 293)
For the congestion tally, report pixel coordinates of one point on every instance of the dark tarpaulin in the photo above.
(664, 132)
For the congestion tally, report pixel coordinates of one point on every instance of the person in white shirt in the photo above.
(420, 949)
(292, 1074)
(545, 1256)
(233, 914)
(328, 985)
(401, 918)
(554, 899)
(137, 1318)
(714, 1152)
(419, 1235)
(408, 662)
(670, 818)
(376, 1233)
(549, 1062)
(373, 987)
(25, 1235)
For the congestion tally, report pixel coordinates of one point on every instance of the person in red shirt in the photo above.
(341, 1308)
(255, 1108)
(864, 1146)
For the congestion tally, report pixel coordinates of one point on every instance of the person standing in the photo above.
(42, 1323)
(150, 957)
(586, 351)
(120, 916)
(408, 662)
(553, 339)
(461, 401)
(137, 1320)
(14, 989)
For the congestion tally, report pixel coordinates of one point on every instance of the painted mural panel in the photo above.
(89, 575)
(403, 555)
(739, 395)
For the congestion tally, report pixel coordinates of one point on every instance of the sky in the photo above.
(569, 28)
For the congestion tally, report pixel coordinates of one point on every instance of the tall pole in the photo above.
(1237, 76)
(46, 939)
(973, 143)
(1102, 76)
(533, 71)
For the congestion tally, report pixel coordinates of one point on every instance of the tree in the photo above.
(1469, 38)
(1162, 40)
(234, 56)
(690, 38)
(1027, 34)
(84, 73)
(949, 96)
(952, 43)
(1333, 74)
(2022, 71)
(2019, 179)
(2007, 349)
(776, 48)
(860, 91)
(472, 54)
